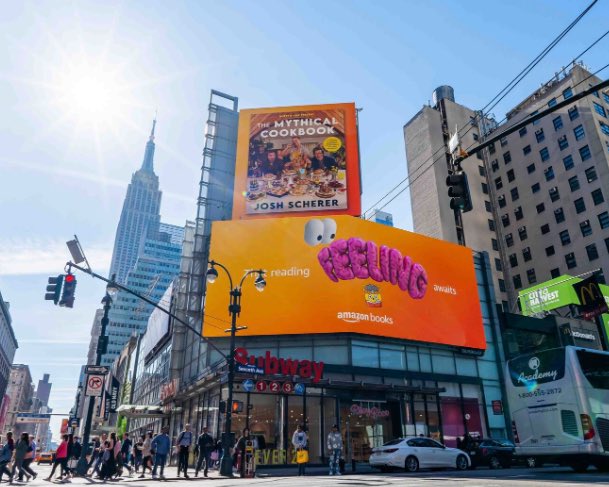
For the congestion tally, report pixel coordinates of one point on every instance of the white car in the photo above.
(417, 452)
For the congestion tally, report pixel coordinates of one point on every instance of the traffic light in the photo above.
(54, 288)
(237, 407)
(69, 287)
(458, 191)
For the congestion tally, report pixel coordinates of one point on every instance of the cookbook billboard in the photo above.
(346, 275)
(299, 160)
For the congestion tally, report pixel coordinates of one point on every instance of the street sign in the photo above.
(36, 418)
(275, 386)
(248, 385)
(288, 387)
(261, 386)
(95, 385)
(299, 388)
(96, 369)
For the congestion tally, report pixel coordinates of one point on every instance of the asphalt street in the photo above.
(279, 478)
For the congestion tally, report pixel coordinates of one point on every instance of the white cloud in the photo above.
(41, 256)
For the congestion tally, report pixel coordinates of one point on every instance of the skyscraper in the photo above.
(140, 214)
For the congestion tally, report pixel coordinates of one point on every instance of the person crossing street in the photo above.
(184, 442)
(205, 445)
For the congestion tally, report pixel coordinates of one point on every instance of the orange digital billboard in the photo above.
(344, 274)
(299, 160)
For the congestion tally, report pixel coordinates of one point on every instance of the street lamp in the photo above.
(234, 308)
(102, 345)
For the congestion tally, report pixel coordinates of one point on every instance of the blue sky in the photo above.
(66, 159)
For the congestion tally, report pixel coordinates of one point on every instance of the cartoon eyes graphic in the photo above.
(320, 231)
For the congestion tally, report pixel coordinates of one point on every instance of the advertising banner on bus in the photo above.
(346, 275)
(297, 160)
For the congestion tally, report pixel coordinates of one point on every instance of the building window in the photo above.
(514, 193)
(550, 250)
(599, 109)
(491, 225)
(568, 162)
(573, 113)
(535, 188)
(557, 123)
(603, 219)
(513, 260)
(532, 115)
(518, 213)
(606, 97)
(585, 153)
(475, 136)
(549, 173)
(530, 168)
(481, 171)
(607, 244)
(552, 103)
(567, 93)
(597, 197)
(498, 183)
(522, 132)
(526, 254)
(586, 228)
(495, 165)
(509, 240)
(517, 281)
(505, 219)
(592, 252)
(491, 148)
(501, 285)
(545, 229)
(554, 194)
(507, 157)
(498, 265)
(559, 214)
(531, 276)
(495, 244)
(563, 143)
(544, 154)
(510, 175)
(541, 207)
(554, 273)
(565, 238)
(580, 205)
(591, 174)
(604, 128)
(487, 205)
(501, 201)
(503, 141)
(522, 233)
(539, 135)
(484, 188)
(570, 260)
(579, 132)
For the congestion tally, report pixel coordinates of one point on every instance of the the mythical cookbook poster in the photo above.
(297, 160)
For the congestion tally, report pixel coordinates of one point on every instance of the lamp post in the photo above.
(102, 344)
(234, 308)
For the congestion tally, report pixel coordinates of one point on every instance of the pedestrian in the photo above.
(107, 461)
(184, 442)
(335, 448)
(138, 453)
(146, 454)
(299, 440)
(69, 462)
(99, 452)
(75, 453)
(6, 453)
(239, 458)
(21, 448)
(61, 458)
(161, 444)
(125, 454)
(30, 455)
(205, 445)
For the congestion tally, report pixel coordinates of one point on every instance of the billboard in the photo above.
(297, 160)
(343, 275)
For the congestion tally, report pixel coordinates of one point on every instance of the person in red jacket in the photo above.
(61, 458)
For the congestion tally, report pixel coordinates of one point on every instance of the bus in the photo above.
(559, 399)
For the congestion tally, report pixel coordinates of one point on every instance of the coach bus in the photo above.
(559, 400)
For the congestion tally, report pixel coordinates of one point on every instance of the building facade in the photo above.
(20, 390)
(8, 347)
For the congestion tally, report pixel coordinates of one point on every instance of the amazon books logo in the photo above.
(354, 317)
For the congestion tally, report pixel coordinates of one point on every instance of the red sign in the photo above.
(169, 389)
(288, 387)
(307, 369)
(275, 386)
(261, 386)
(497, 407)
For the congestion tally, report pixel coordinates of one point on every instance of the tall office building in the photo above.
(8, 345)
(140, 214)
(20, 390)
(539, 195)
(426, 136)
(43, 391)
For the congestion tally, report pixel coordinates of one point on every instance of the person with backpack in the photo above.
(185, 440)
(6, 453)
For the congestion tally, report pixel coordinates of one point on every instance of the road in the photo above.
(518, 477)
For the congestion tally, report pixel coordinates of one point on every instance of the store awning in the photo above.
(141, 411)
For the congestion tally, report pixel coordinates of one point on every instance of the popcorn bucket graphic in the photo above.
(372, 296)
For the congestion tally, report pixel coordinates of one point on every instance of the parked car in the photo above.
(414, 453)
(45, 457)
(491, 453)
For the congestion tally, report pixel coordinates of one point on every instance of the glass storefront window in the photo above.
(363, 428)
(433, 417)
(364, 354)
(392, 357)
(314, 428)
(419, 415)
(338, 355)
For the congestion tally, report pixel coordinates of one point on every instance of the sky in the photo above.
(81, 81)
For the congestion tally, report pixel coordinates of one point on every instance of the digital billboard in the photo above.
(345, 274)
(299, 160)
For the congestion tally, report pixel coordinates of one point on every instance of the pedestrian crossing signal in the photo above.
(69, 287)
(237, 407)
(54, 288)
